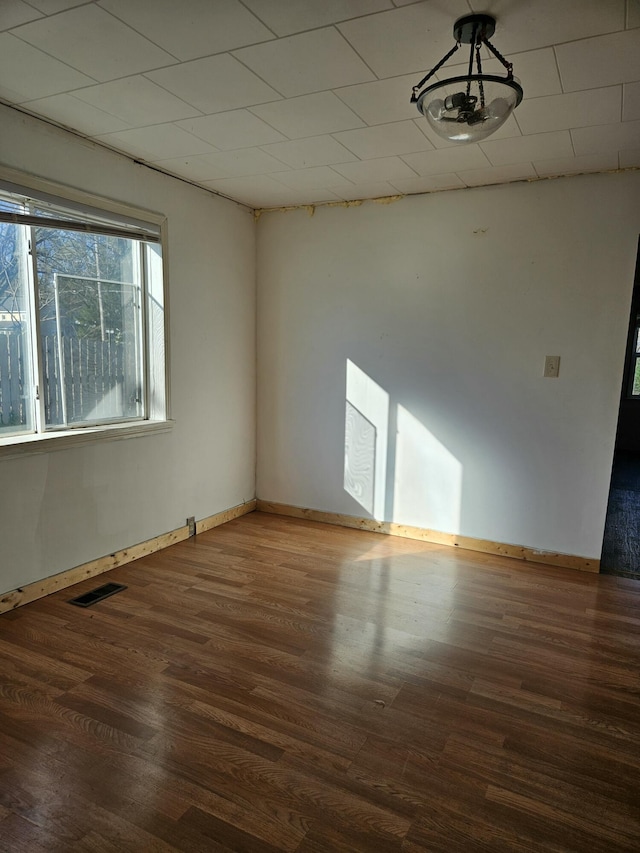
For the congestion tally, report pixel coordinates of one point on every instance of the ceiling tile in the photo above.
(524, 149)
(269, 196)
(26, 73)
(497, 175)
(285, 17)
(247, 190)
(246, 161)
(381, 101)
(630, 159)
(159, 142)
(429, 183)
(447, 160)
(438, 142)
(196, 168)
(385, 140)
(309, 62)
(315, 151)
(379, 189)
(214, 84)
(316, 176)
(226, 164)
(374, 171)
(91, 40)
(607, 137)
(191, 28)
(540, 23)
(301, 197)
(70, 112)
(308, 198)
(577, 165)
(576, 109)
(16, 12)
(633, 14)
(601, 61)
(405, 40)
(311, 115)
(50, 7)
(137, 101)
(631, 102)
(235, 129)
(536, 70)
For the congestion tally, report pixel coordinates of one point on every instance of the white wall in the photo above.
(67, 507)
(444, 307)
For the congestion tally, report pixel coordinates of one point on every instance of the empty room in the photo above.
(319, 426)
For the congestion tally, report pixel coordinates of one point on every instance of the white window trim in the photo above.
(45, 442)
(19, 444)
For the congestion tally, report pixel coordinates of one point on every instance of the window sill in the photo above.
(25, 445)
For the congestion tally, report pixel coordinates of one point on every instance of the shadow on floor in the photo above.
(621, 546)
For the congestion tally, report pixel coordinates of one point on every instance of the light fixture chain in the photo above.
(416, 89)
(470, 71)
(498, 55)
(480, 81)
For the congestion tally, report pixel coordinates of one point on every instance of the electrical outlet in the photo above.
(191, 524)
(552, 366)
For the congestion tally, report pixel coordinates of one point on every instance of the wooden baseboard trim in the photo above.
(224, 516)
(435, 537)
(33, 591)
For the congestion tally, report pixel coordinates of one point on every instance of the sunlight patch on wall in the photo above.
(365, 441)
(428, 478)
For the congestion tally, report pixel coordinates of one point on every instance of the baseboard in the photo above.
(224, 516)
(33, 591)
(435, 537)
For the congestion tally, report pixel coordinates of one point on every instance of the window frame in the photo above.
(632, 356)
(155, 335)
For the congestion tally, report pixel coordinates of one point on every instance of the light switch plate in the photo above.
(552, 366)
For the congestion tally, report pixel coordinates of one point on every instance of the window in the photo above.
(81, 317)
(634, 372)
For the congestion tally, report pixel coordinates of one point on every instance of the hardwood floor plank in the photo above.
(601, 809)
(18, 835)
(343, 837)
(255, 841)
(268, 733)
(167, 834)
(599, 768)
(275, 684)
(543, 820)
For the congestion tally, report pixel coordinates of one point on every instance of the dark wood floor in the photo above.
(621, 547)
(279, 685)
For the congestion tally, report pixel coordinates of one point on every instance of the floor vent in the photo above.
(98, 594)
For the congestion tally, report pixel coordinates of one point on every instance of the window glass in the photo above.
(634, 383)
(91, 327)
(16, 412)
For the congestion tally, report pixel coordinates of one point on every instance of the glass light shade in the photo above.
(459, 116)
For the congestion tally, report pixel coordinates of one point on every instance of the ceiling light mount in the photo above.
(472, 28)
(468, 108)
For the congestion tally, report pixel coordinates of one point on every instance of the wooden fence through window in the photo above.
(94, 371)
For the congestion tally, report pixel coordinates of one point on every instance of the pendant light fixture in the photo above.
(471, 107)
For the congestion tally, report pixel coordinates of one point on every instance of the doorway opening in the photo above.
(621, 544)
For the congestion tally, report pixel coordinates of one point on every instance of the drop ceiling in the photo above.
(285, 102)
